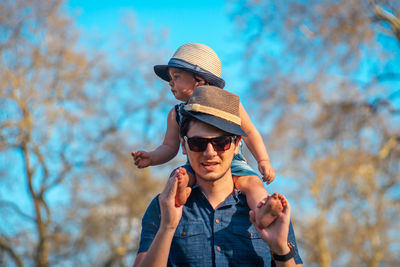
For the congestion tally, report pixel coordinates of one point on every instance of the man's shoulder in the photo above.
(153, 208)
(154, 201)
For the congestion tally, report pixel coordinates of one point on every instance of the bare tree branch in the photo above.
(17, 210)
(4, 246)
(386, 16)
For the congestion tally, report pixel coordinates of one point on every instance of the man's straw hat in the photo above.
(195, 58)
(216, 107)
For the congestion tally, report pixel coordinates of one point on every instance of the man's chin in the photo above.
(210, 176)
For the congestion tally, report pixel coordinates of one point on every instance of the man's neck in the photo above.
(219, 190)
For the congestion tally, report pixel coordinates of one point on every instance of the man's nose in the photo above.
(209, 149)
(171, 83)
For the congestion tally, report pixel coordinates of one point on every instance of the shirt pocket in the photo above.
(188, 230)
(244, 232)
(248, 248)
(189, 243)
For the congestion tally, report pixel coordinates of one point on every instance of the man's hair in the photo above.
(184, 124)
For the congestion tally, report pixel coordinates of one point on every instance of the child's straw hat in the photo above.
(195, 58)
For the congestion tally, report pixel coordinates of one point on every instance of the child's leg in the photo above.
(258, 199)
(252, 187)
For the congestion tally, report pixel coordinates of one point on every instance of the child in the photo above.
(193, 65)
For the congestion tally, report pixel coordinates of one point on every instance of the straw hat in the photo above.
(216, 107)
(196, 58)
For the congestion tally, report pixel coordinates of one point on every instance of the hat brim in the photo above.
(219, 123)
(162, 72)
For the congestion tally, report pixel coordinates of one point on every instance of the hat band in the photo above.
(214, 112)
(184, 64)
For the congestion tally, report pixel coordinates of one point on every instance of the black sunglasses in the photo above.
(220, 143)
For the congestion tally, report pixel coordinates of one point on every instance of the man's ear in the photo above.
(237, 142)
(183, 145)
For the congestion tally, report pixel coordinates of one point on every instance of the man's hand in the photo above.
(276, 234)
(157, 254)
(142, 159)
(170, 214)
(265, 168)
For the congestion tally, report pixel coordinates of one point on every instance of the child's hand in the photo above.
(268, 173)
(142, 159)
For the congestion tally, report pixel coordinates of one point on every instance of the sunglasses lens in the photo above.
(199, 144)
(222, 143)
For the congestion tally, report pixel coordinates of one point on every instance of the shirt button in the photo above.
(218, 248)
(250, 234)
(183, 233)
(217, 221)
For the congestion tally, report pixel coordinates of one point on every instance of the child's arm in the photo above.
(166, 151)
(256, 146)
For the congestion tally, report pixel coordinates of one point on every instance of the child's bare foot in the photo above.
(183, 191)
(269, 209)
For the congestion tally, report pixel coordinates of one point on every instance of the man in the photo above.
(213, 228)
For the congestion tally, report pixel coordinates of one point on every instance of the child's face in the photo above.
(182, 83)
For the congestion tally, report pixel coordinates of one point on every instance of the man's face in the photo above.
(209, 165)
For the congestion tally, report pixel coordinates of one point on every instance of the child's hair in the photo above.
(198, 80)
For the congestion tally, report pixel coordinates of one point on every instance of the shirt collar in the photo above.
(236, 197)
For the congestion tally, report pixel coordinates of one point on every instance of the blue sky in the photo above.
(187, 21)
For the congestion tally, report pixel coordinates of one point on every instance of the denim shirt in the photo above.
(208, 237)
